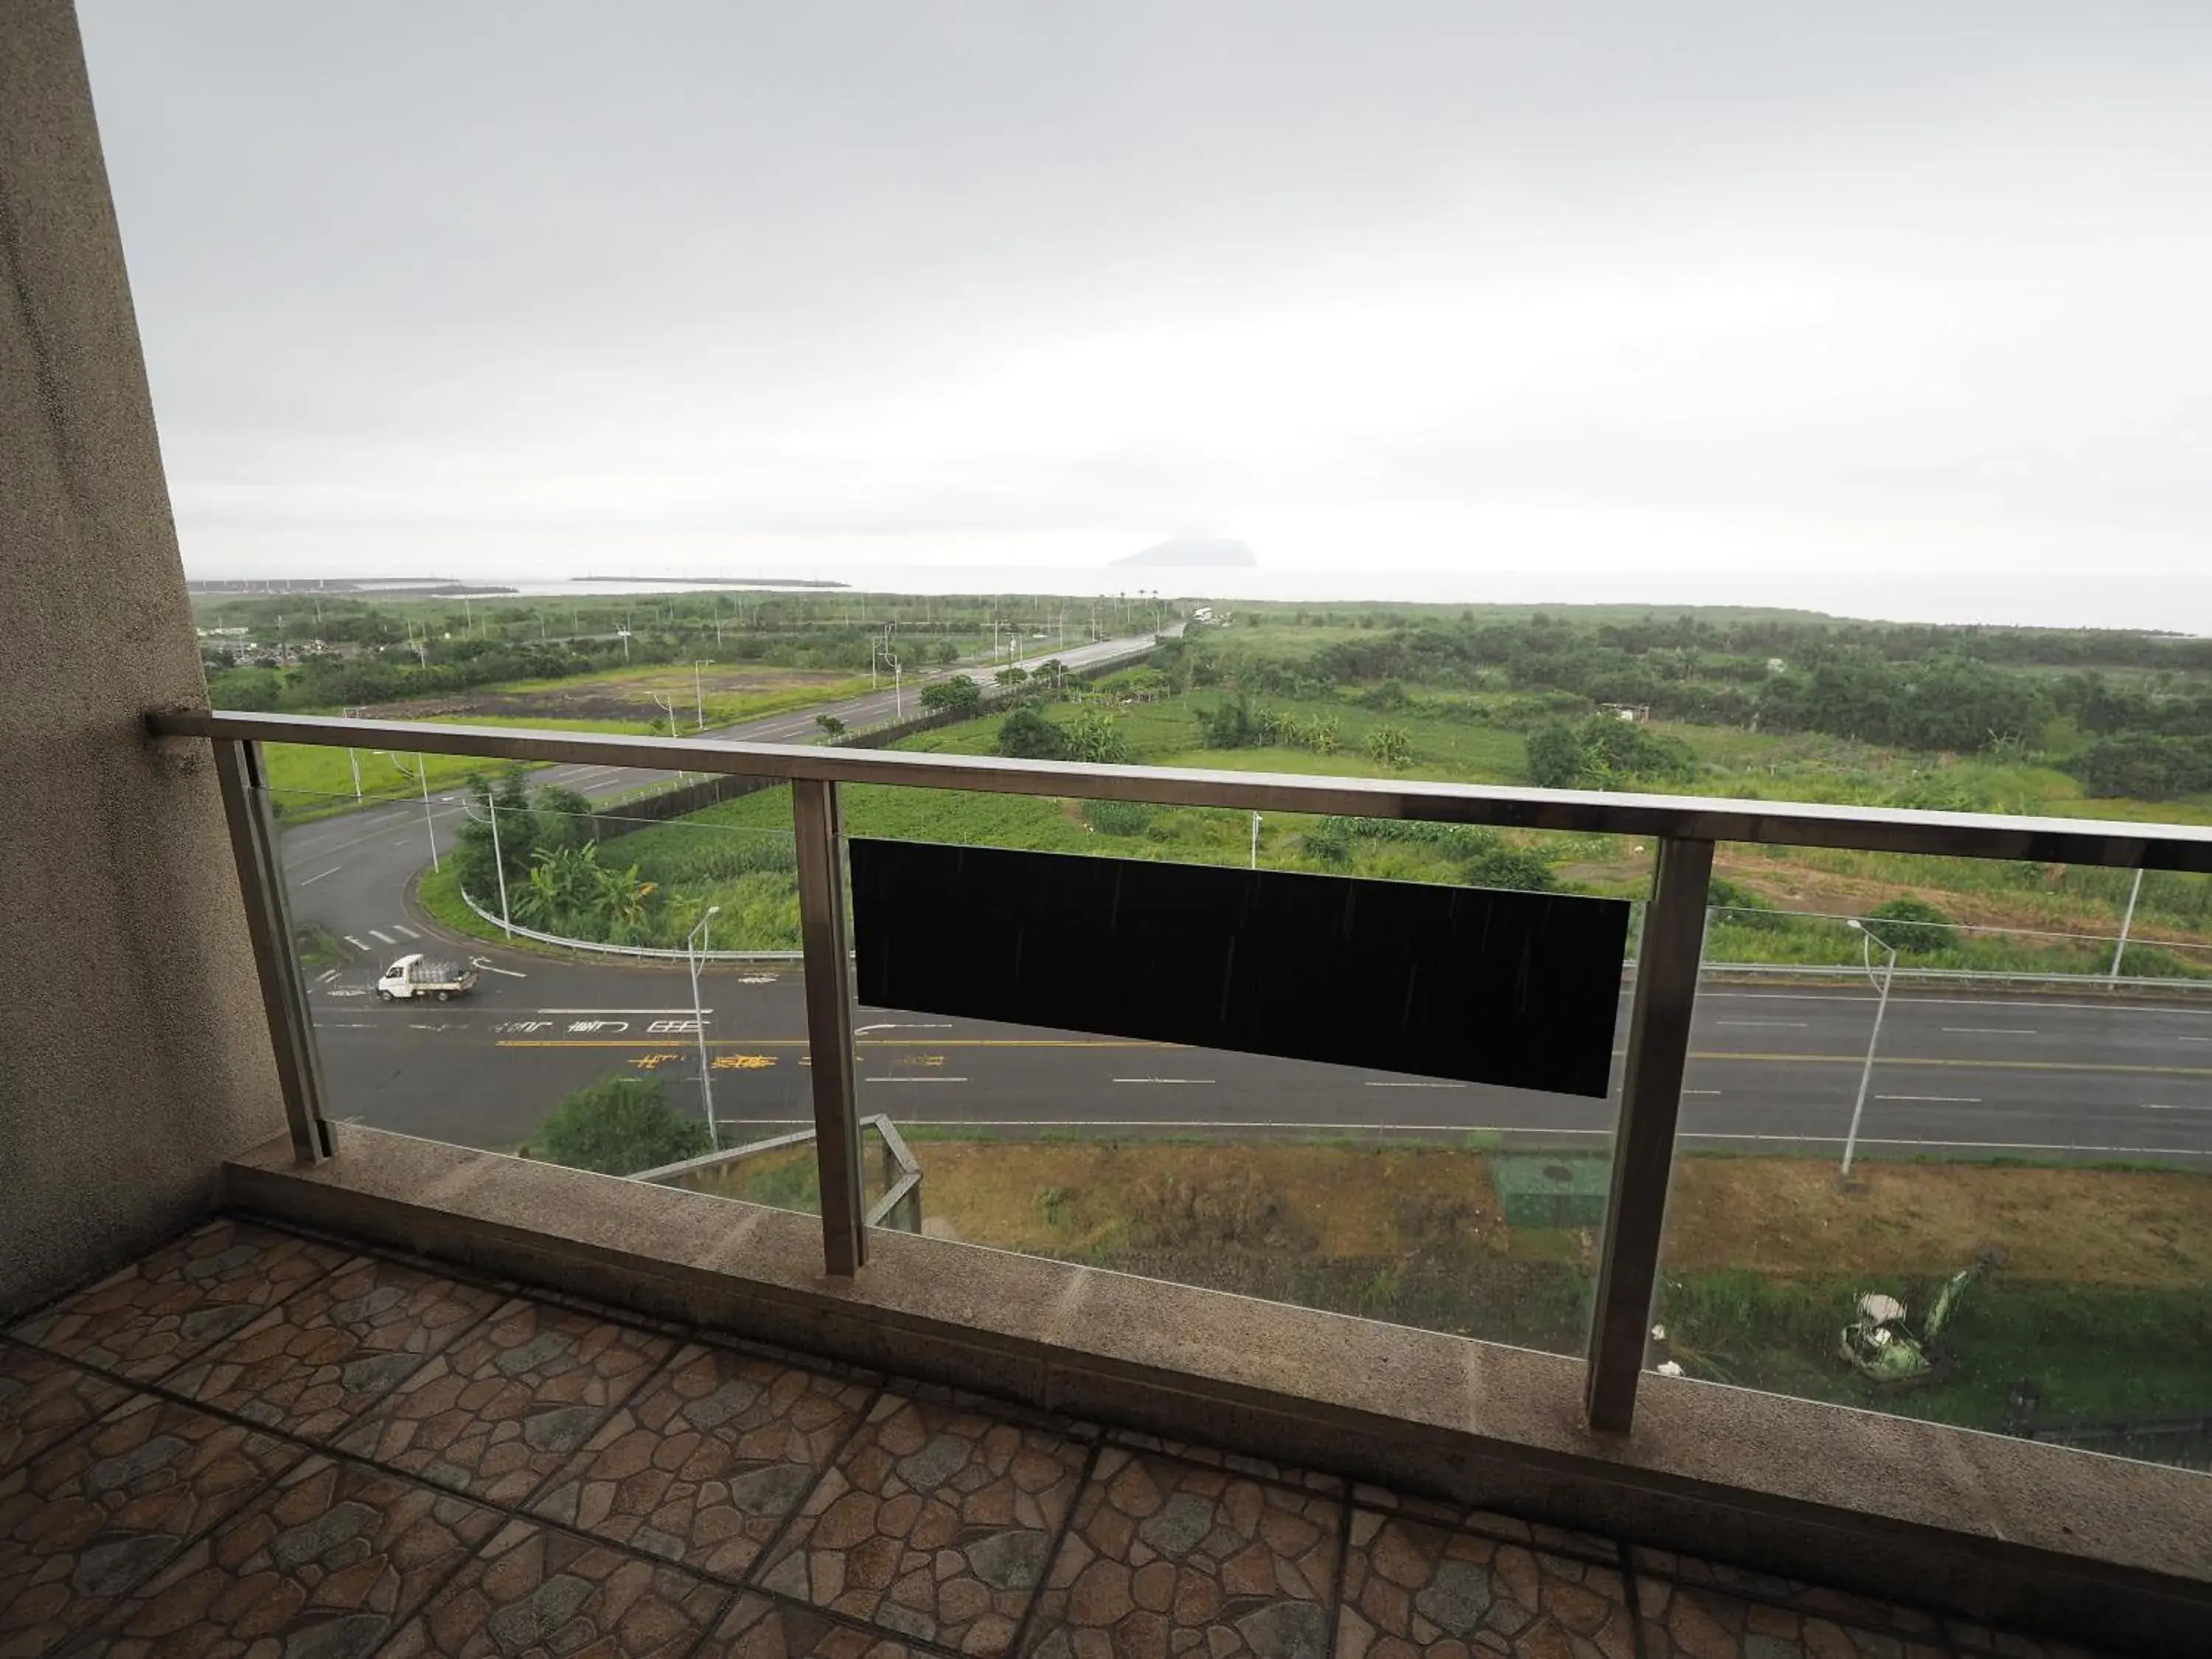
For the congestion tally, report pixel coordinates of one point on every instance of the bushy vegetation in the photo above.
(618, 1126)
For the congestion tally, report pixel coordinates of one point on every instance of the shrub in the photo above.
(1027, 735)
(1391, 746)
(618, 1126)
(1910, 926)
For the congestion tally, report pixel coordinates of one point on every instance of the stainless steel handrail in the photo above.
(1683, 830)
(1784, 823)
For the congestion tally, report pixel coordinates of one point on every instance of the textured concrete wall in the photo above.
(133, 1053)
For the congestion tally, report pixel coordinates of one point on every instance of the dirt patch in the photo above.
(613, 697)
(1784, 1217)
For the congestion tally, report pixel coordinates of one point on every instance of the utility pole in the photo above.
(1874, 1041)
(696, 941)
(1255, 841)
(2127, 922)
(698, 695)
(422, 775)
(667, 707)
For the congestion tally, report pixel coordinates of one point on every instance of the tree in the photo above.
(1052, 669)
(958, 695)
(618, 1126)
(1555, 759)
(1010, 677)
(1027, 735)
(832, 727)
(562, 818)
(499, 817)
(1391, 746)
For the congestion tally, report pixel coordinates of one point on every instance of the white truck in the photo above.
(419, 975)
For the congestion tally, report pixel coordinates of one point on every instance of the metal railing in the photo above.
(1684, 829)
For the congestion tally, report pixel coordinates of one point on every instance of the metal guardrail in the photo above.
(649, 952)
(900, 1205)
(1685, 829)
(2178, 846)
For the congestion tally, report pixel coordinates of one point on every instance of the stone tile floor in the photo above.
(254, 1443)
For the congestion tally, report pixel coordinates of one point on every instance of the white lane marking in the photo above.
(2194, 1039)
(895, 1025)
(382, 937)
(358, 944)
(332, 871)
(2161, 1106)
(1163, 1079)
(402, 927)
(2013, 1003)
(347, 991)
(326, 976)
(1937, 1100)
(1799, 1024)
(1512, 1129)
(490, 967)
(1410, 1082)
(1990, 1030)
(914, 1080)
(687, 1010)
(1701, 1091)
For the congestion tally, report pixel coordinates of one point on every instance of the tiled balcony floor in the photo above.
(256, 1442)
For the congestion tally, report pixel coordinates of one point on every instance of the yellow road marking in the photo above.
(865, 1042)
(1126, 1042)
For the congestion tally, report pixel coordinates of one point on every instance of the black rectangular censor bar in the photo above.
(1475, 984)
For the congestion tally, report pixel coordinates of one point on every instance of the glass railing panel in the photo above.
(624, 991)
(1937, 1158)
(1367, 1190)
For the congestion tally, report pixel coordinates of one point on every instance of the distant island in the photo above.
(1195, 553)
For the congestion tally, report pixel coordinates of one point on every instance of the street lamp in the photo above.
(1867, 941)
(695, 942)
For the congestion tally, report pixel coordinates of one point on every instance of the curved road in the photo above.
(350, 873)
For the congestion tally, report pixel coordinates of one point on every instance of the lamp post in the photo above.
(1866, 1073)
(696, 942)
(2127, 921)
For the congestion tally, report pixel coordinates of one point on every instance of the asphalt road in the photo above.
(350, 873)
(1956, 1075)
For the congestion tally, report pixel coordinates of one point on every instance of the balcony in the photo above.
(378, 1297)
(310, 1344)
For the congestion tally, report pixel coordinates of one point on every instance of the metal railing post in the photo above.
(239, 775)
(820, 849)
(1644, 1152)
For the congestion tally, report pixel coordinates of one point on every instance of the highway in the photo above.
(350, 873)
(1957, 1074)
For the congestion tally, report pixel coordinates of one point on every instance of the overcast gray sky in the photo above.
(1719, 298)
